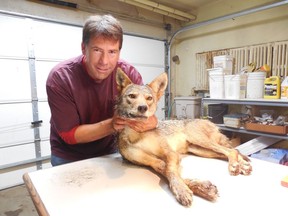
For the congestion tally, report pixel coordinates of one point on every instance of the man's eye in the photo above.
(132, 96)
(97, 50)
(113, 52)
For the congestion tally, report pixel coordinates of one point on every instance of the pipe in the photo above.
(212, 21)
(166, 8)
(159, 9)
(92, 10)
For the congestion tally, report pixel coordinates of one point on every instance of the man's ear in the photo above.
(122, 80)
(83, 48)
(159, 84)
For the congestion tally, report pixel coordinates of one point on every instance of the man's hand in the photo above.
(143, 125)
(118, 123)
(139, 125)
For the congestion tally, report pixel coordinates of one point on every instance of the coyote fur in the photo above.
(162, 147)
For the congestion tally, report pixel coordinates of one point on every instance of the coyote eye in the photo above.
(133, 96)
(149, 98)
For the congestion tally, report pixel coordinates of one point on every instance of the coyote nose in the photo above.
(142, 109)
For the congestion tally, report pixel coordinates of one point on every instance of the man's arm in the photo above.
(91, 132)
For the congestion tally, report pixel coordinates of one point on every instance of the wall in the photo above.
(261, 27)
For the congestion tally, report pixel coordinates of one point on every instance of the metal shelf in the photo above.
(242, 130)
(258, 102)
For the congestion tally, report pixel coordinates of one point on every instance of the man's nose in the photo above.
(104, 58)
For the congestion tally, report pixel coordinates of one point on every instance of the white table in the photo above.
(110, 186)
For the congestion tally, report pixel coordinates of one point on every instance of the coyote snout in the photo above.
(161, 148)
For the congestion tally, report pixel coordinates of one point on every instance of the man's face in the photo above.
(100, 56)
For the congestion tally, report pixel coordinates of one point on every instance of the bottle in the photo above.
(272, 87)
(284, 88)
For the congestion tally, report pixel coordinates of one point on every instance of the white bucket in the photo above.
(255, 85)
(188, 107)
(223, 61)
(235, 86)
(216, 82)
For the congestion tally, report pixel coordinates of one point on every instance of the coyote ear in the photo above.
(159, 84)
(122, 80)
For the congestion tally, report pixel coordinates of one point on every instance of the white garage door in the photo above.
(29, 49)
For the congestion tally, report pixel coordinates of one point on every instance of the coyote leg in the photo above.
(204, 189)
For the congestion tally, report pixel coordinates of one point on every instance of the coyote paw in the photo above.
(182, 193)
(204, 189)
(239, 164)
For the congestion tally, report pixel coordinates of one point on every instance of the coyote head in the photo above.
(139, 101)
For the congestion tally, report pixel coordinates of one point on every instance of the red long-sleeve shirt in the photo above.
(75, 99)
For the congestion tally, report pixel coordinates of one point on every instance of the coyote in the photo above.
(161, 148)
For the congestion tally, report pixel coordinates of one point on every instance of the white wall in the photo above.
(261, 27)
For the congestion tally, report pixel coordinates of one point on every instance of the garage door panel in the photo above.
(15, 80)
(18, 153)
(45, 148)
(13, 177)
(56, 41)
(43, 69)
(14, 34)
(44, 115)
(16, 124)
(139, 50)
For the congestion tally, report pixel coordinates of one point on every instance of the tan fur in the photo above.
(162, 147)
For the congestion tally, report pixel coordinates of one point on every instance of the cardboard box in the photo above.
(234, 120)
(275, 129)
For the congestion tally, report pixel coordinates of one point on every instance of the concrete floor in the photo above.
(16, 201)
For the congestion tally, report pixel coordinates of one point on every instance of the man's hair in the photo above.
(105, 26)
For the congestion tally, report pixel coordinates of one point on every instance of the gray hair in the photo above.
(106, 26)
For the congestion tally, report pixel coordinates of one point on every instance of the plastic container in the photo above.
(216, 112)
(235, 86)
(284, 88)
(255, 85)
(272, 87)
(188, 107)
(274, 155)
(223, 61)
(216, 82)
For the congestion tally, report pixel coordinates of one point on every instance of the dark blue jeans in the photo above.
(55, 161)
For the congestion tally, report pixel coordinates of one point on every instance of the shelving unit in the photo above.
(255, 102)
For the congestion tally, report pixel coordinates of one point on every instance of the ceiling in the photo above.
(181, 10)
(184, 5)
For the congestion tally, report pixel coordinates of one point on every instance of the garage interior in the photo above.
(185, 35)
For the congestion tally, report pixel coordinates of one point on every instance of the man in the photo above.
(82, 92)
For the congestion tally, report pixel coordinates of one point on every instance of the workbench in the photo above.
(110, 185)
